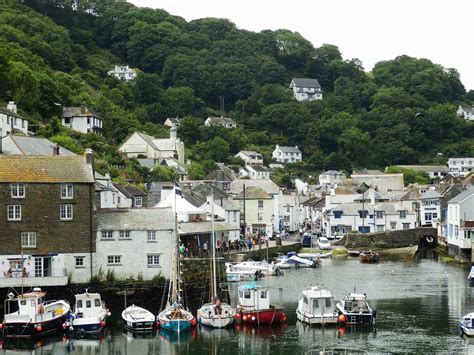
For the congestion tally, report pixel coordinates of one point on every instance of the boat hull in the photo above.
(177, 326)
(313, 319)
(358, 318)
(466, 330)
(30, 330)
(266, 317)
(208, 316)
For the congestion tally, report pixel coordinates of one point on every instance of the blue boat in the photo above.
(356, 310)
(89, 314)
(175, 319)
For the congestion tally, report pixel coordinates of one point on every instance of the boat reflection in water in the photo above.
(264, 332)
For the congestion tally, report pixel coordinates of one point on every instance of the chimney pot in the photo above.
(11, 106)
(89, 156)
(56, 149)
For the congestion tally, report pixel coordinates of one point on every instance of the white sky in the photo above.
(371, 30)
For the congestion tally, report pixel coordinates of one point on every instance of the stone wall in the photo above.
(390, 239)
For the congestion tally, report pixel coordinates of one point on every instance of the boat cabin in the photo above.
(356, 303)
(317, 301)
(29, 305)
(255, 297)
(87, 304)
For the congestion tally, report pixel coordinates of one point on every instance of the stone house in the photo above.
(11, 121)
(82, 119)
(46, 219)
(225, 122)
(305, 89)
(287, 154)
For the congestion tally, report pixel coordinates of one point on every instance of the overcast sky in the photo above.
(371, 30)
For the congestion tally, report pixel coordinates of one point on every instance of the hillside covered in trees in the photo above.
(56, 53)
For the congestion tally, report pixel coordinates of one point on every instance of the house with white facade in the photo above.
(250, 157)
(331, 177)
(466, 112)
(226, 209)
(430, 213)
(123, 72)
(460, 166)
(433, 171)
(258, 172)
(460, 224)
(225, 122)
(135, 242)
(380, 181)
(305, 89)
(173, 121)
(11, 121)
(287, 154)
(26, 145)
(290, 212)
(258, 216)
(82, 119)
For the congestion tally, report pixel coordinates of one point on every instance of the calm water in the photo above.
(418, 302)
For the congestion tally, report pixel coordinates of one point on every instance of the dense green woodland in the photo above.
(57, 53)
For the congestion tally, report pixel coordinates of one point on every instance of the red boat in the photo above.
(254, 306)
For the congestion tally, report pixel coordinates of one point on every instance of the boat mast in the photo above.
(174, 277)
(214, 281)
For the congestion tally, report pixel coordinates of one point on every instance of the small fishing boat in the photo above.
(295, 261)
(89, 314)
(35, 317)
(242, 275)
(353, 252)
(354, 309)
(254, 306)
(315, 255)
(316, 306)
(138, 319)
(369, 257)
(467, 324)
(253, 266)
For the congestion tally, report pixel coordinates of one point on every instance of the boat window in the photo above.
(247, 294)
(263, 294)
(241, 293)
(23, 302)
(97, 302)
(79, 304)
(315, 303)
(305, 300)
(88, 304)
(328, 302)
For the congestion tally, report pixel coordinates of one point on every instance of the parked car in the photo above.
(306, 240)
(323, 243)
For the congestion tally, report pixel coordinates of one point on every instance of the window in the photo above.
(428, 216)
(337, 214)
(114, 259)
(124, 234)
(79, 304)
(107, 234)
(88, 120)
(247, 293)
(67, 120)
(456, 231)
(67, 191)
(363, 214)
(17, 190)
(379, 214)
(153, 260)
(328, 302)
(79, 261)
(226, 185)
(435, 215)
(379, 228)
(403, 214)
(14, 213)
(263, 294)
(138, 201)
(151, 236)
(260, 216)
(28, 240)
(65, 212)
(97, 302)
(260, 203)
(393, 225)
(406, 225)
(88, 303)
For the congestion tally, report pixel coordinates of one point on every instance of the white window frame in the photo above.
(260, 204)
(124, 234)
(138, 198)
(107, 234)
(79, 263)
(67, 191)
(153, 260)
(66, 212)
(114, 259)
(402, 214)
(17, 190)
(28, 239)
(14, 212)
(151, 236)
(406, 225)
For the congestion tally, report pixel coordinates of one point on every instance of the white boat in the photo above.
(356, 310)
(174, 317)
(467, 324)
(138, 319)
(34, 316)
(253, 266)
(215, 314)
(295, 261)
(316, 306)
(89, 314)
(242, 275)
(471, 276)
(314, 255)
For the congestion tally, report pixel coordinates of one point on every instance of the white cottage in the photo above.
(11, 121)
(258, 172)
(466, 112)
(460, 166)
(225, 122)
(305, 89)
(287, 154)
(250, 157)
(430, 213)
(123, 72)
(82, 119)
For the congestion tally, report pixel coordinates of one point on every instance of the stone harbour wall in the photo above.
(391, 239)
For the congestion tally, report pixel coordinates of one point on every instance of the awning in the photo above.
(205, 227)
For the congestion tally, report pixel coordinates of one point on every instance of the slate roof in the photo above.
(306, 82)
(9, 113)
(136, 219)
(26, 145)
(45, 169)
(430, 193)
(205, 227)
(77, 112)
(462, 195)
(289, 149)
(269, 186)
(367, 196)
(352, 209)
(332, 173)
(253, 192)
(175, 119)
(129, 191)
(251, 154)
(259, 168)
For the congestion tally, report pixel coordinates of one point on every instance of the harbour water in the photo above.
(419, 303)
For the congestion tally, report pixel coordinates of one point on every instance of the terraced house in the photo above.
(46, 219)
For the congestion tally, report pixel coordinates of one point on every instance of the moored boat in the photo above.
(467, 324)
(471, 276)
(369, 257)
(88, 316)
(295, 261)
(254, 266)
(138, 319)
(35, 317)
(316, 306)
(254, 306)
(356, 310)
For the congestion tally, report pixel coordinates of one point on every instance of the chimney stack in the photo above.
(83, 109)
(89, 154)
(56, 149)
(173, 133)
(11, 106)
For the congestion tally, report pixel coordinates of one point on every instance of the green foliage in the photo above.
(162, 173)
(68, 143)
(410, 176)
